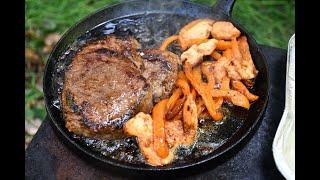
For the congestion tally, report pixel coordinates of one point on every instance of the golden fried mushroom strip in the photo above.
(194, 76)
(235, 97)
(159, 138)
(184, 86)
(168, 41)
(200, 106)
(227, 53)
(176, 109)
(195, 32)
(245, 52)
(225, 84)
(239, 86)
(223, 45)
(173, 98)
(190, 115)
(216, 55)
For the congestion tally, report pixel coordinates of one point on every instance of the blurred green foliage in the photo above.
(272, 22)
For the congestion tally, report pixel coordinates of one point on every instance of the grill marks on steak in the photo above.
(110, 80)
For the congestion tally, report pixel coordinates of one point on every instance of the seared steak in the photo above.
(110, 80)
(160, 69)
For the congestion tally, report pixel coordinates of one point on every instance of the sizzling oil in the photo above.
(150, 31)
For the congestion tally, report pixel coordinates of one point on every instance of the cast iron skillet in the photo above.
(138, 8)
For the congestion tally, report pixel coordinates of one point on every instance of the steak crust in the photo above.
(112, 79)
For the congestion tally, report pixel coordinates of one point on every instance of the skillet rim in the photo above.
(148, 168)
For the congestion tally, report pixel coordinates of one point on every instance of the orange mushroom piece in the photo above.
(195, 32)
(159, 138)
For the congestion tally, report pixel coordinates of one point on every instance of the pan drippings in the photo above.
(150, 31)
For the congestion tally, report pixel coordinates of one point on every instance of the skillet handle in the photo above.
(223, 8)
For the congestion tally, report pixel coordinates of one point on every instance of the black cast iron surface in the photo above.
(47, 157)
(143, 20)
